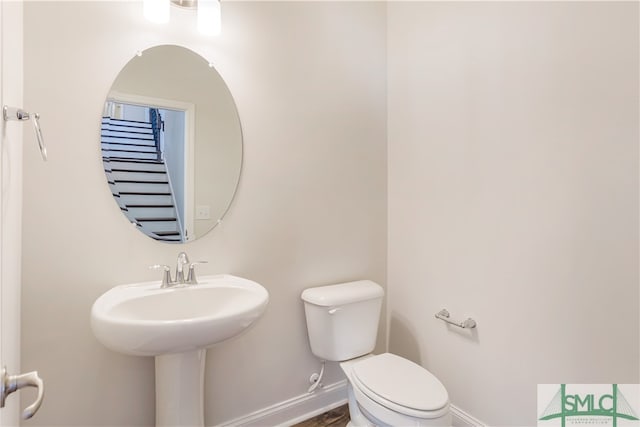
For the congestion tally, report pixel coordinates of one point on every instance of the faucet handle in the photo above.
(191, 277)
(166, 276)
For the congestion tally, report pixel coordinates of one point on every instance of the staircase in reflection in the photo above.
(138, 177)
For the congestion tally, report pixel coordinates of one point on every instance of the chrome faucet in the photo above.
(183, 260)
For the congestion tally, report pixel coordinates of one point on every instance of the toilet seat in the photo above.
(401, 386)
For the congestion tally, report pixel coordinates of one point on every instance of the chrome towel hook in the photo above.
(12, 113)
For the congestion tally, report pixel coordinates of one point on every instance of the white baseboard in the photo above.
(295, 410)
(308, 405)
(462, 419)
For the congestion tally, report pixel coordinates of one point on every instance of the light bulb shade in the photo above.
(209, 19)
(156, 10)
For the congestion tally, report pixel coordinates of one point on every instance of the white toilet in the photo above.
(384, 390)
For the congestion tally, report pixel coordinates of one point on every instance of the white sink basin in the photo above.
(146, 320)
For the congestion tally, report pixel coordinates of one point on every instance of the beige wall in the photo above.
(513, 196)
(309, 83)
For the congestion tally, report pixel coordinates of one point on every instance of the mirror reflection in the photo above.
(171, 144)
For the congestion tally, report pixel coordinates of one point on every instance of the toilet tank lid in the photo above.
(343, 293)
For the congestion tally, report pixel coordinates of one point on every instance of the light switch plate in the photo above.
(202, 212)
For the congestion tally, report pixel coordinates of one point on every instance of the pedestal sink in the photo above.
(176, 325)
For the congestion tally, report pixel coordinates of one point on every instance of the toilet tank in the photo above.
(342, 319)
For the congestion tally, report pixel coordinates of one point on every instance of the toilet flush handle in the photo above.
(334, 310)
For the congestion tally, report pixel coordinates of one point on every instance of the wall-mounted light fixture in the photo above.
(209, 20)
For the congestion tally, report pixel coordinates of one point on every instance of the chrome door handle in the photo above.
(11, 383)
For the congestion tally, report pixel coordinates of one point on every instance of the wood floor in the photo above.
(338, 417)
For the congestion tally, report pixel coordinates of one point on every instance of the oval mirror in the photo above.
(171, 144)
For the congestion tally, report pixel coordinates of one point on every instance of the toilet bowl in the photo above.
(388, 390)
(383, 390)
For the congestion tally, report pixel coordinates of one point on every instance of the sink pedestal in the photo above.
(180, 389)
